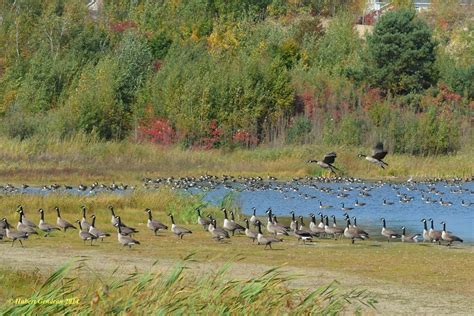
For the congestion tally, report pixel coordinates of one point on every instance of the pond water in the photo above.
(424, 202)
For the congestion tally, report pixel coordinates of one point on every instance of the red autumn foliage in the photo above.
(447, 95)
(309, 102)
(157, 64)
(244, 138)
(373, 96)
(158, 131)
(214, 138)
(120, 27)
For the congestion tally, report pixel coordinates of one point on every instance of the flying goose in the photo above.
(14, 235)
(61, 223)
(96, 232)
(23, 227)
(178, 230)
(47, 228)
(125, 240)
(378, 153)
(265, 240)
(250, 234)
(387, 232)
(217, 233)
(446, 236)
(84, 235)
(154, 225)
(202, 221)
(230, 225)
(84, 224)
(327, 162)
(351, 232)
(409, 238)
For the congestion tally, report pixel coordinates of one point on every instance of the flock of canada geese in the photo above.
(88, 231)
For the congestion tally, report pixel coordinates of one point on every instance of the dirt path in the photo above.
(392, 298)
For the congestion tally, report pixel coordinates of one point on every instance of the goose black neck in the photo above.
(383, 223)
(403, 231)
(301, 220)
(313, 219)
(425, 226)
(293, 216)
(259, 228)
(57, 211)
(327, 221)
(83, 212)
(444, 226)
(149, 215)
(93, 221)
(42, 215)
(355, 221)
(225, 213)
(172, 219)
(432, 225)
(21, 216)
(247, 224)
(254, 212)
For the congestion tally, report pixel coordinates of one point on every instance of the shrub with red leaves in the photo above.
(244, 139)
(157, 64)
(214, 138)
(159, 131)
(119, 27)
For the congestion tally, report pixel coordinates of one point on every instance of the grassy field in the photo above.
(401, 277)
(85, 160)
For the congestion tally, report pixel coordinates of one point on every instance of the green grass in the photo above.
(179, 291)
(85, 160)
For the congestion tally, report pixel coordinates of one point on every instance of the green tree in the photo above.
(401, 53)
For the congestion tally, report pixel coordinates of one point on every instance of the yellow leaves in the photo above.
(223, 38)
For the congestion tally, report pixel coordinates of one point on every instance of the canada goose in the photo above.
(426, 233)
(345, 208)
(315, 229)
(24, 220)
(85, 235)
(2, 230)
(321, 220)
(351, 232)
(273, 228)
(217, 233)
(321, 205)
(444, 203)
(387, 232)
(359, 204)
(253, 218)
(466, 204)
(61, 223)
(359, 230)
(327, 162)
(293, 220)
(378, 153)
(23, 227)
(302, 234)
(125, 240)
(435, 235)
(446, 236)
(334, 231)
(114, 219)
(250, 234)
(96, 232)
(84, 224)
(125, 230)
(47, 228)
(229, 225)
(232, 219)
(265, 240)
(202, 221)
(154, 225)
(385, 202)
(178, 230)
(14, 235)
(409, 238)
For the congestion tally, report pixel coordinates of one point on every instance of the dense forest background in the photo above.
(238, 73)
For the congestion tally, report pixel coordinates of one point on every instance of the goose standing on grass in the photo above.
(25, 221)
(217, 233)
(446, 236)
(321, 220)
(154, 225)
(47, 228)
(426, 233)
(125, 240)
(229, 225)
(23, 227)
(334, 230)
(359, 230)
(409, 238)
(378, 153)
(125, 230)
(435, 235)
(84, 223)
(202, 221)
(302, 234)
(61, 223)
(351, 232)
(253, 218)
(178, 230)
(114, 219)
(390, 234)
(85, 235)
(327, 162)
(293, 220)
(315, 229)
(265, 240)
(240, 228)
(96, 232)
(250, 234)
(14, 235)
